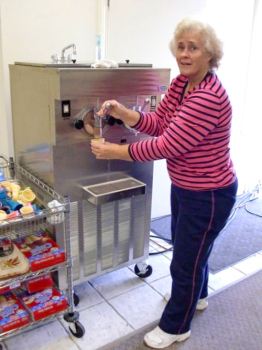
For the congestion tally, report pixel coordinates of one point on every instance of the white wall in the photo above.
(32, 30)
(236, 33)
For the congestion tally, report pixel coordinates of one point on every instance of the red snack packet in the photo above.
(39, 283)
(41, 250)
(4, 290)
(12, 313)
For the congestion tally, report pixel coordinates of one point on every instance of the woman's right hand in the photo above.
(119, 111)
(113, 108)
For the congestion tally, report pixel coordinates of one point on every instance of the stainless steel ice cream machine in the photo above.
(53, 110)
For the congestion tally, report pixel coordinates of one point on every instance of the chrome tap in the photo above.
(69, 58)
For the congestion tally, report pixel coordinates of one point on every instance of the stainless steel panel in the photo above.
(112, 83)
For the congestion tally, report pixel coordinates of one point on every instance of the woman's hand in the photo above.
(119, 111)
(107, 150)
(114, 108)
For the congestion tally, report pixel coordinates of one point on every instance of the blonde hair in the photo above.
(211, 42)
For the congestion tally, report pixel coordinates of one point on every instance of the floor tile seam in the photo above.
(127, 291)
(71, 337)
(246, 260)
(84, 308)
(231, 284)
(150, 282)
(119, 314)
(152, 287)
(247, 273)
(104, 297)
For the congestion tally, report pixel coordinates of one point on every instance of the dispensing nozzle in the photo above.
(98, 127)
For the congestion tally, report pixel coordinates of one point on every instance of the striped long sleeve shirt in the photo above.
(192, 132)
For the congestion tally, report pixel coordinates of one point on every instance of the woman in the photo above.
(192, 131)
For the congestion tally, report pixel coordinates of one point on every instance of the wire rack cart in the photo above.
(57, 221)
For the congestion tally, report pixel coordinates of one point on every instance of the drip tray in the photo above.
(113, 190)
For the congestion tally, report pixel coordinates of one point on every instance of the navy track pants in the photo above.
(197, 219)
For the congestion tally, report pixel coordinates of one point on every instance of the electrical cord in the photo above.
(162, 251)
(163, 239)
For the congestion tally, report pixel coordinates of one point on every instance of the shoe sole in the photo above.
(201, 308)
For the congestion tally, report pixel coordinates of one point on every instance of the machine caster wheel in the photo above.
(77, 329)
(143, 272)
(76, 299)
(71, 316)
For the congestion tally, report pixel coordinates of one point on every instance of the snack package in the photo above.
(13, 264)
(12, 313)
(7, 288)
(41, 250)
(39, 283)
(4, 290)
(43, 304)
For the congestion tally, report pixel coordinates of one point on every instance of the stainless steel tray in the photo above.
(114, 190)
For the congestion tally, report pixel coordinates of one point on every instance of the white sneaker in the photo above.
(202, 304)
(158, 339)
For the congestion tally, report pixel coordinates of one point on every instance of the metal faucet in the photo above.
(63, 59)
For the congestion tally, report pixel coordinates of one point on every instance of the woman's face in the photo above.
(191, 55)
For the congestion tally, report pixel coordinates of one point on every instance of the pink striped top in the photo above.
(192, 133)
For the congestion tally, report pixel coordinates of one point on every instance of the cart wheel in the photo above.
(145, 272)
(77, 329)
(71, 316)
(76, 300)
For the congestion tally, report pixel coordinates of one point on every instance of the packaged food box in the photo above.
(39, 283)
(11, 285)
(4, 290)
(13, 315)
(41, 250)
(43, 304)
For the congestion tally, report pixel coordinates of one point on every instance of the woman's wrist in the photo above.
(123, 152)
(131, 118)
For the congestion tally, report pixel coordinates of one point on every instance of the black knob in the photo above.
(110, 120)
(127, 61)
(79, 124)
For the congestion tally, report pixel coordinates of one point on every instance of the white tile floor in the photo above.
(117, 303)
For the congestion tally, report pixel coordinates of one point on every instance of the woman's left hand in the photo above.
(107, 150)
